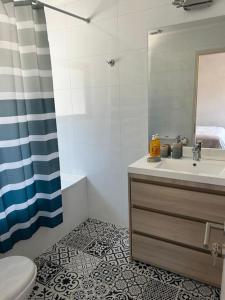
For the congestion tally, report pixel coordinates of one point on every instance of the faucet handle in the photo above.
(178, 139)
(199, 143)
(197, 146)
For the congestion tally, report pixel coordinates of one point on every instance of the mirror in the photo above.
(187, 82)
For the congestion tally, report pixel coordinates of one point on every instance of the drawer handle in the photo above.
(208, 231)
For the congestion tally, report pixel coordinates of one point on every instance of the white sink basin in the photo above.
(204, 171)
(203, 167)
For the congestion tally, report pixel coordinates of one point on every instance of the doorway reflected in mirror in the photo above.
(210, 113)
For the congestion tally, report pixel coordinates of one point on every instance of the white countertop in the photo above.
(143, 167)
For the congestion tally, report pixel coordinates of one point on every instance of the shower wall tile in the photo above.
(133, 67)
(98, 131)
(134, 100)
(98, 38)
(134, 131)
(132, 31)
(66, 143)
(92, 72)
(98, 102)
(104, 185)
(103, 169)
(134, 116)
(62, 102)
(105, 198)
(58, 38)
(61, 75)
(103, 109)
(96, 119)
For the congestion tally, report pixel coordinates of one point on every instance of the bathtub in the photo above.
(69, 180)
(75, 211)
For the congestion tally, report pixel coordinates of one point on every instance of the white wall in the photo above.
(104, 120)
(75, 211)
(211, 90)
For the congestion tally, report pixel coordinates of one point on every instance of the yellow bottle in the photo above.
(154, 147)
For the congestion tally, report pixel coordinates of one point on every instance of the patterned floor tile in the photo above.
(71, 259)
(131, 283)
(118, 255)
(92, 262)
(106, 273)
(41, 292)
(64, 283)
(111, 236)
(199, 288)
(76, 240)
(46, 270)
(184, 295)
(157, 290)
(83, 263)
(114, 295)
(91, 228)
(166, 277)
(97, 248)
(140, 268)
(124, 232)
(89, 288)
(124, 241)
(60, 254)
(216, 292)
(94, 228)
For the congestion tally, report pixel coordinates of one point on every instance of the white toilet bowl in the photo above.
(17, 277)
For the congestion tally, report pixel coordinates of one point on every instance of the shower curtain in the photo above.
(30, 191)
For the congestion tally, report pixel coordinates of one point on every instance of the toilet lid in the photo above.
(16, 273)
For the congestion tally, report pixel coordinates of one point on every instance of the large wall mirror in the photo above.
(187, 82)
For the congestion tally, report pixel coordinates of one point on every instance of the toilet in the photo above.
(17, 277)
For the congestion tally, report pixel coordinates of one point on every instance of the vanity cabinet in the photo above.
(167, 225)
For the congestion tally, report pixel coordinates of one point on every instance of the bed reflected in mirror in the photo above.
(210, 104)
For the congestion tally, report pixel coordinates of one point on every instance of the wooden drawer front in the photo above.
(182, 231)
(184, 261)
(202, 206)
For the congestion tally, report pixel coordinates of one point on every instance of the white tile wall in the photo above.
(102, 110)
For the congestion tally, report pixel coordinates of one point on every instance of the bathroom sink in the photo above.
(204, 171)
(203, 167)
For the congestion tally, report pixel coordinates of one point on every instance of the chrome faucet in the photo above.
(197, 151)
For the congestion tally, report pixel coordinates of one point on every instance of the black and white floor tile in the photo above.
(92, 262)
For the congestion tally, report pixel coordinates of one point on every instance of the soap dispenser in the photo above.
(154, 149)
(177, 148)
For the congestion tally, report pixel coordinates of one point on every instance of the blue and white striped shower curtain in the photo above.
(30, 191)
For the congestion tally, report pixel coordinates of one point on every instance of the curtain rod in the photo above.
(40, 3)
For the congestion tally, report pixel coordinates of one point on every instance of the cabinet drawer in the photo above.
(182, 231)
(184, 261)
(198, 205)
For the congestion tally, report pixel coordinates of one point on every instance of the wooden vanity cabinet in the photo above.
(167, 225)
